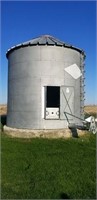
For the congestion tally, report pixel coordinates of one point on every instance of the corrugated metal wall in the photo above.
(30, 69)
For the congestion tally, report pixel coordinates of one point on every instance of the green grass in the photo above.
(48, 168)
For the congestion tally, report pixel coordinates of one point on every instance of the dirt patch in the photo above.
(90, 109)
(3, 109)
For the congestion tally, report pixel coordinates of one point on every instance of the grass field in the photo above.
(48, 168)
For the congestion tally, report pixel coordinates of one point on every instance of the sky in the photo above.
(73, 22)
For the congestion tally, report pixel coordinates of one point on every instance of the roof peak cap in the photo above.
(46, 35)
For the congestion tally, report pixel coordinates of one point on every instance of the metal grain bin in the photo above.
(45, 84)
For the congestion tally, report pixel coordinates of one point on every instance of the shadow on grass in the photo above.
(74, 132)
(3, 121)
(64, 196)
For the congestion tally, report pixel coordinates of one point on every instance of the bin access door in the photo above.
(66, 102)
(52, 102)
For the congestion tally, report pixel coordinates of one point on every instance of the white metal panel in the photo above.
(67, 102)
(74, 71)
(52, 113)
(43, 101)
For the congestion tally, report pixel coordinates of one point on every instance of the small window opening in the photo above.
(53, 97)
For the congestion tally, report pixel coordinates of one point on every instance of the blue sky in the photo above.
(73, 22)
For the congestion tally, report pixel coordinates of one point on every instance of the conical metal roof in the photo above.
(44, 40)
